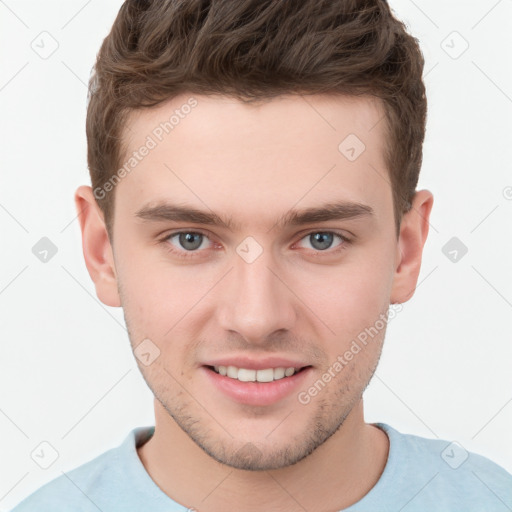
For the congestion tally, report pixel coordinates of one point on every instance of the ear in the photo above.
(98, 254)
(413, 234)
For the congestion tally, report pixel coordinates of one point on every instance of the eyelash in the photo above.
(191, 254)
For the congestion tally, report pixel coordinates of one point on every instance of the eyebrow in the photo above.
(343, 210)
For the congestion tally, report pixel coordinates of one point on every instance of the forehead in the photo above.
(256, 159)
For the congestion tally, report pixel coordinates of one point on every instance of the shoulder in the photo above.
(86, 487)
(441, 473)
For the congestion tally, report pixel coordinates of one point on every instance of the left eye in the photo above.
(322, 240)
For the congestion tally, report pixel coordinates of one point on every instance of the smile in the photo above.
(248, 375)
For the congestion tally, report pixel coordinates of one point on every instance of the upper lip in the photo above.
(252, 363)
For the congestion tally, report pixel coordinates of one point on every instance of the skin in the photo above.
(253, 163)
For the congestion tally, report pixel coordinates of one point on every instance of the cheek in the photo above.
(164, 303)
(353, 296)
(146, 300)
(153, 290)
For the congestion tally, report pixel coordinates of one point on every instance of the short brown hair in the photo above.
(255, 50)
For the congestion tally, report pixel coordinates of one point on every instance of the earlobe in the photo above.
(412, 238)
(96, 247)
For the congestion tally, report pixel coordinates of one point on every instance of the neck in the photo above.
(336, 475)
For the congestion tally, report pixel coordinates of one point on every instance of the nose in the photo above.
(254, 300)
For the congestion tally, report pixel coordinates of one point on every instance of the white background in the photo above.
(67, 375)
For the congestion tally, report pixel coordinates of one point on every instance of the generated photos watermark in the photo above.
(156, 136)
(356, 346)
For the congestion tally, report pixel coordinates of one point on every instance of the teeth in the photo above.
(232, 372)
(263, 375)
(289, 372)
(246, 375)
(279, 373)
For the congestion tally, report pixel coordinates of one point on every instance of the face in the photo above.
(254, 278)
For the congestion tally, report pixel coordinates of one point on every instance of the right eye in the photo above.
(184, 244)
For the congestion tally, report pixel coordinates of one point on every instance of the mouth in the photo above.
(256, 387)
(250, 375)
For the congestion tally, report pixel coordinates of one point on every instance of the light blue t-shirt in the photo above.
(421, 475)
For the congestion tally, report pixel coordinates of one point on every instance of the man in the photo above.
(254, 212)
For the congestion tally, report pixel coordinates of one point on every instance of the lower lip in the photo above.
(257, 393)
